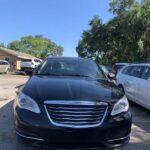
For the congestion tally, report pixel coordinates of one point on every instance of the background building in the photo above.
(13, 57)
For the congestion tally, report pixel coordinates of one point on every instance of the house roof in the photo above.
(16, 53)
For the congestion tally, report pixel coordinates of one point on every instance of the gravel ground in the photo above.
(140, 136)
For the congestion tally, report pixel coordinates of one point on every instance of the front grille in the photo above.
(76, 114)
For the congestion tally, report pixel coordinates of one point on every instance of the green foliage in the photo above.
(2, 44)
(125, 38)
(120, 7)
(37, 46)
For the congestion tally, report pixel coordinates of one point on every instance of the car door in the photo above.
(132, 81)
(122, 76)
(144, 88)
(3, 66)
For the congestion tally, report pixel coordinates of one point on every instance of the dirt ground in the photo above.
(140, 136)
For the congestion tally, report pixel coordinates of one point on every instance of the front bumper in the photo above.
(37, 128)
(27, 68)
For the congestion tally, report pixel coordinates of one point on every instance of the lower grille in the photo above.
(76, 114)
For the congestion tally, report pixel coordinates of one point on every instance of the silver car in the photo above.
(134, 80)
(4, 66)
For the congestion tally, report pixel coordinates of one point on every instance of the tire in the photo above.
(121, 88)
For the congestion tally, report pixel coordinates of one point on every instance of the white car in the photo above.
(134, 80)
(29, 63)
(117, 67)
(4, 66)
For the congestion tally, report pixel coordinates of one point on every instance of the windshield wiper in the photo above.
(53, 74)
(47, 74)
(76, 75)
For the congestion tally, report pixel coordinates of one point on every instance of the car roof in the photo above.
(121, 63)
(65, 57)
(4, 61)
(140, 64)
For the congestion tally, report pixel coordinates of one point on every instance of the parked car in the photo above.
(70, 101)
(4, 66)
(117, 67)
(29, 63)
(134, 80)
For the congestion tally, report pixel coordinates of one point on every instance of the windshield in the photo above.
(118, 67)
(70, 67)
(27, 60)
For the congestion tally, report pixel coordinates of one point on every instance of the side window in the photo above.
(146, 73)
(126, 70)
(27, 60)
(135, 71)
(5, 63)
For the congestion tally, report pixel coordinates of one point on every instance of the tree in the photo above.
(120, 7)
(126, 37)
(92, 43)
(2, 44)
(37, 45)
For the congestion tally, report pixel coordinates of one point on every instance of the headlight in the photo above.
(25, 102)
(121, 106)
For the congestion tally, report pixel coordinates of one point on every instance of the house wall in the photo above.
(13, 60)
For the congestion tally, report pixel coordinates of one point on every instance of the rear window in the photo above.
(118, 67)
(3, 63)
(27, 60)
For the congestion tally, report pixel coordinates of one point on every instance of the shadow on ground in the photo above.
(141, 117)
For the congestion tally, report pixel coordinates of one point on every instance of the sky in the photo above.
(62, 21)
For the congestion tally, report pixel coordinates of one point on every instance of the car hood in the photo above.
(41, 88)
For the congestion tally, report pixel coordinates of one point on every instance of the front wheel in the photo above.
(121, 88)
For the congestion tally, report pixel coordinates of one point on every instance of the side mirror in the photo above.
(29, 72)
(111, 76)
(18, 88)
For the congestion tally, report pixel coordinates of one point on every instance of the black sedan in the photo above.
(70, 101)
